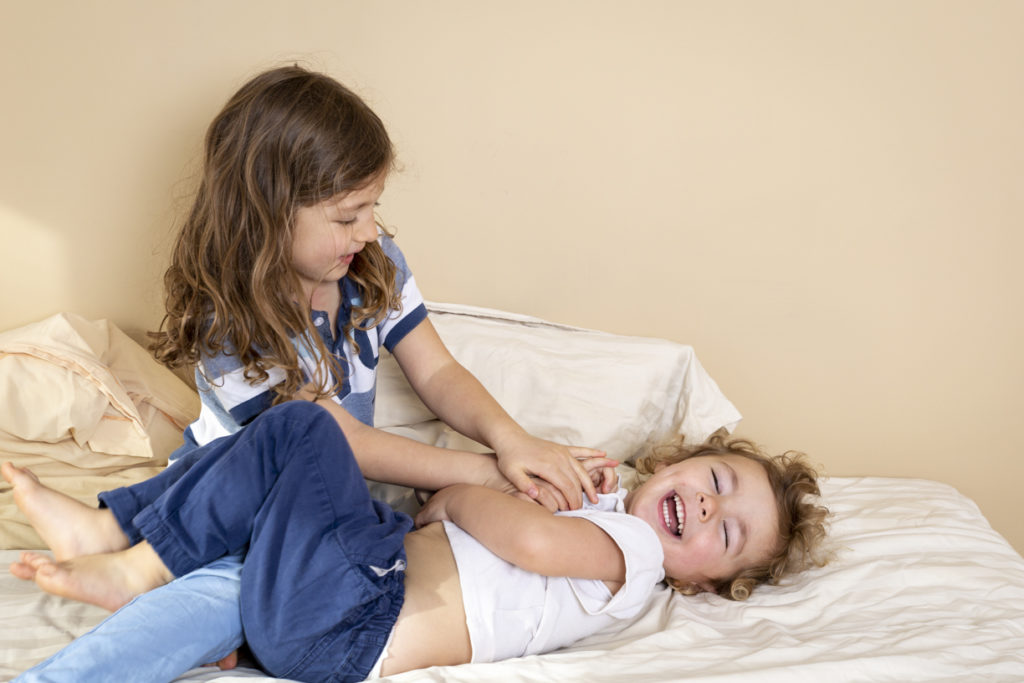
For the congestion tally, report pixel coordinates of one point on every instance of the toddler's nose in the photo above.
(707, 506)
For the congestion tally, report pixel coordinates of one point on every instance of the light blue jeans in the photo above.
(158, 636)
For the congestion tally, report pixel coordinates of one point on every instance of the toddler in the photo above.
(337, 586)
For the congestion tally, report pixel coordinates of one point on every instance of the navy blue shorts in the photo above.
(323, 577)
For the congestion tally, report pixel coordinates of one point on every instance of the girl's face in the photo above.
(714, 516)
(328, 235)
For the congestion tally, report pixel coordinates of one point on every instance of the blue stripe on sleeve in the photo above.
(220, 364)
(406, 325)
(245, 412)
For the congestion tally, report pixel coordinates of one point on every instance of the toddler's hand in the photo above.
(435, 509)
(602, 473)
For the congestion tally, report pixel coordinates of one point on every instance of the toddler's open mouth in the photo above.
(674, 513)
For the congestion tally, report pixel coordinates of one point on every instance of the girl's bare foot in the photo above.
(107, 580)
(70, 528)
(25, 567)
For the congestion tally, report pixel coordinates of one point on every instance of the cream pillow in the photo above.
(86, 408)
(568, 384)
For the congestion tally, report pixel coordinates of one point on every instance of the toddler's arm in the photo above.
(527, 535)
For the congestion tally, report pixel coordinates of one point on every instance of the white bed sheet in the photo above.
(921, 588)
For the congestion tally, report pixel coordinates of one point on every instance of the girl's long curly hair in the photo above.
(801, 519)
(289, 138)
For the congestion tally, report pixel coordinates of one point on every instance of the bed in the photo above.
(920, 587)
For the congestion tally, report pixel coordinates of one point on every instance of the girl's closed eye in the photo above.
(715, 478)
(355, 218)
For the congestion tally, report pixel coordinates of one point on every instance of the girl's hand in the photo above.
(602, 474)
(556, 464)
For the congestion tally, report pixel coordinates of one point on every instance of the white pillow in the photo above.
(568, 384)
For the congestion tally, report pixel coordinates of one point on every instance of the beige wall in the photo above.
(825, 199)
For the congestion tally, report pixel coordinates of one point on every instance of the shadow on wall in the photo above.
(89, 232)
(36, 275)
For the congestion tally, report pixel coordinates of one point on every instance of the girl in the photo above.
(323, 593)
(283, 284)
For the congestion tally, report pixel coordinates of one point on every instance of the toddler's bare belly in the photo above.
(431, 628)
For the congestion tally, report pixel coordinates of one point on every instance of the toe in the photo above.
(35, 560)
(22, 571)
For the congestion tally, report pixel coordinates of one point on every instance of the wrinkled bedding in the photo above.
(921, 587)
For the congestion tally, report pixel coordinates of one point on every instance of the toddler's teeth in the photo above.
(680, 516)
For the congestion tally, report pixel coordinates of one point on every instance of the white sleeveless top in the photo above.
(511, 612)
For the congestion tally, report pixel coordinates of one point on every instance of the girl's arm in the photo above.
(528, 535)
(399, 460)
(458, 398)
(396, 459)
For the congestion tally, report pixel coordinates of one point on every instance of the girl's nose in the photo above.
(366, 231)
(707, 506)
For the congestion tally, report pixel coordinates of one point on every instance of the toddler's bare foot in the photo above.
(108, 580)
(70, 528)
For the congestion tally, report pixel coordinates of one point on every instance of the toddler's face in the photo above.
(714, 516)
